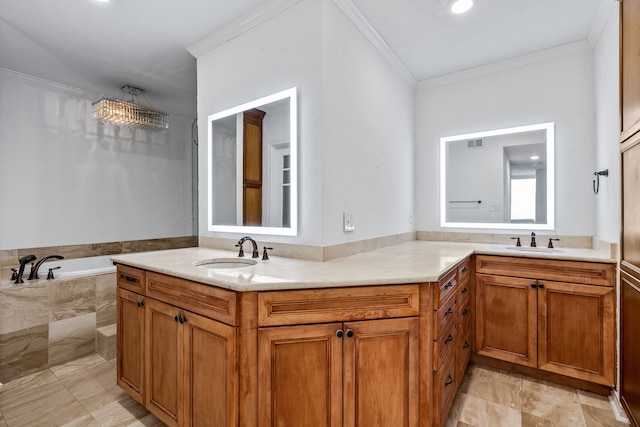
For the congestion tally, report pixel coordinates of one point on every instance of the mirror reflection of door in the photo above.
(252, 167)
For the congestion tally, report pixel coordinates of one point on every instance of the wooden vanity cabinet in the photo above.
(354, 368)
(130, 343)
(556, 316)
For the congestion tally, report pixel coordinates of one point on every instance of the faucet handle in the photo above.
(241, 252)
(265, 255)
(517, 239)
(14, 273)
(50, 274)
(550, 245)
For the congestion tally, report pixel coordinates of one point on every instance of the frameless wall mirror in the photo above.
(253, 167)
(501, 179)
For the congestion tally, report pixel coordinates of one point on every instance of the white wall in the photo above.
(558, 89)
(606, 60)
(355, 119)
(66, 180)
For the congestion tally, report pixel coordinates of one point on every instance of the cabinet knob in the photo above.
(349, 333)
(534, 285)
(541, 285)
(140, 303)
(339, 333)
(465, 345)
(449, 339)
(449, 380)
(448, 312)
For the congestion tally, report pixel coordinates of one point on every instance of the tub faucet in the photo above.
(23, 261)
(253, 242)
(34, 270)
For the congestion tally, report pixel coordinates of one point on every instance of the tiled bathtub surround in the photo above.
(9, 258)
(47, 322)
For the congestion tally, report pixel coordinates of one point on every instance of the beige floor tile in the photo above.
(529, 420)
(599, 417)
(482, 413)
(120, 413)
(84, 421)
(3, 423)
(495, 386)
(552, 402)
(148, 421)
(591, 399)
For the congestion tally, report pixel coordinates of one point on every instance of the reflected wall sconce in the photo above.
(122, 112)
(596, 182)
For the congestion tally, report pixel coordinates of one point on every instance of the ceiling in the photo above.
(101, 46)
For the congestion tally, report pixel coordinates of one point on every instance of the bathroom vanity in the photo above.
(360, 342)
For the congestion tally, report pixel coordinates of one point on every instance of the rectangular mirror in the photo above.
(252, 167)
(501, 179)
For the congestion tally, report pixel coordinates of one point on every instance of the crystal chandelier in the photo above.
(119, 111)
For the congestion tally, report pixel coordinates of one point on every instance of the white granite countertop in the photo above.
(411, 262)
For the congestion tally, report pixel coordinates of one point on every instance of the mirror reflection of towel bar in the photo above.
(465, 201)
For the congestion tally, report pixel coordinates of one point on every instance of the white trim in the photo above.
(262, 13)
(28, 78)
(353, 13)
(618, 412)
(543, 55)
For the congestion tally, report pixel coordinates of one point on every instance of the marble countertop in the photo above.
(411, 262)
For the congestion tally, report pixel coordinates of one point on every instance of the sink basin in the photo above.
(225, 263)
(530, 249)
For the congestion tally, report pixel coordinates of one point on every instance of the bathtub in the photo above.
(77, 267)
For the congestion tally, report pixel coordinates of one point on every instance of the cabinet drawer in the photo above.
(444, 384)
(463, 354)
(337, 305)
(445, 289)
(444, 347)
(464, 314)
(131, 279)
(209, 301)
(464, 292)
(464, 270)
(589, 273)
(444, 317)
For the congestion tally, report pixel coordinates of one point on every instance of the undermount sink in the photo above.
(534, 249)
(225, 263)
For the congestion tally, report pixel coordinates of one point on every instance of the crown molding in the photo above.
(28, 78)
(353, 13)
(540, 56)
(262, 13)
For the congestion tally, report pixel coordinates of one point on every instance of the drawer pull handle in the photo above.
(339, 333)
(466, 345)
(465, 269)
(465, 312)
(449, 380)
(448, 312)
(449, 339)
(448, 285)
(464, 291)
(130, 279)
(140, 303)
(349, 333)
(180, 319)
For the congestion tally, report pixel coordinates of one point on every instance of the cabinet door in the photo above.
(211, 372)
(576, 331)
(130, 342)
(630, 346)
(629, 68)
(300, 376)
(506, 319)
(163, 360)
(381, 373)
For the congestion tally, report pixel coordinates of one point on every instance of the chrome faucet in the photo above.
(253, 242)
(34, 270)
(23, 261)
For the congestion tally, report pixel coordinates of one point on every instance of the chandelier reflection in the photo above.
(122, 112)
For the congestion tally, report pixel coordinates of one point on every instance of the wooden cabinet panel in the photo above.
(506, 319)
(381, 373)
(209, 352)
(444, 390)
(342, 304)
(130, 343)
(210, 301)
(631, 205)
(588, 273)
(131, 279)
(300, 376)
(447, 287)
(629, 68)
(630, 346)
(576, 325)
(163, 359)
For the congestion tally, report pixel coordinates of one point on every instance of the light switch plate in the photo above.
(347, 222)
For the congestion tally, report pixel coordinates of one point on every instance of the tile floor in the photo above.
(83, 393)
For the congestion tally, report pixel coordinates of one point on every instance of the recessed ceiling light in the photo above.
(102, 1)
(461, 6)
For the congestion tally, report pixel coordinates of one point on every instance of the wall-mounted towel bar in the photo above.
(465, 201)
